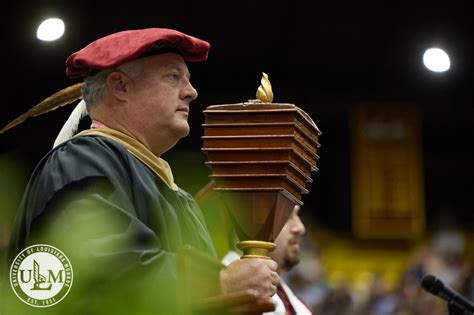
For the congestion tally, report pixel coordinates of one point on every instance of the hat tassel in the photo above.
(64, 97)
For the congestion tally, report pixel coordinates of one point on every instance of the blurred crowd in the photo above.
(444, 257)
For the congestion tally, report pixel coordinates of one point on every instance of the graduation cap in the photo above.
(111, 51)
(108, 53)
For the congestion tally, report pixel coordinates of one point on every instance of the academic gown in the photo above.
(118, 222)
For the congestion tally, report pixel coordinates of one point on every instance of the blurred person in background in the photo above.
(287, 255)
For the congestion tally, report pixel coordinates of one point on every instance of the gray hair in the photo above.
(94, 85)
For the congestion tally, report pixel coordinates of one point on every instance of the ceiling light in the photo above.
(50, 29)
(436, 60)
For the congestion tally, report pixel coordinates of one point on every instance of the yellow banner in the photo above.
(387, 172)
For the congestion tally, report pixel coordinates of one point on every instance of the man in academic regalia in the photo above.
(107, 199)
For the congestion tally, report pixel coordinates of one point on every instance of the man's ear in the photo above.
(118, 84)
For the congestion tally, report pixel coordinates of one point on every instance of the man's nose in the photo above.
(298, 226)
(189, 93)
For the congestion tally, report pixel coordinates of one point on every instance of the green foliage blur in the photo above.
(113, 272)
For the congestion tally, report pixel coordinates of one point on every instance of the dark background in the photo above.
(323, 56)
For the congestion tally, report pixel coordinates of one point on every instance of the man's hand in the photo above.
(250, 273)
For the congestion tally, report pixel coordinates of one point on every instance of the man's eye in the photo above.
(173, 76)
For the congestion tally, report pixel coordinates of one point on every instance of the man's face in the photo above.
(287, 252)
(161, 96)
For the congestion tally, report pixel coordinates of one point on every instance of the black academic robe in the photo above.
(120, 225)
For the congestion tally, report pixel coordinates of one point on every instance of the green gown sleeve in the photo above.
(118, 223)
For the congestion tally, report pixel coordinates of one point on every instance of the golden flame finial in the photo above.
(264, 92)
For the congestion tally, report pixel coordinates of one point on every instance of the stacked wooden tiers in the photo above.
(261, 156)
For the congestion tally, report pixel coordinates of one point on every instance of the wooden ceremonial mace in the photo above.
(261, 155)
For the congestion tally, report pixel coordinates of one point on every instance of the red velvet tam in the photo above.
(113, 50)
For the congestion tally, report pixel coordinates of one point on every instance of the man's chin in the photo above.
(183, 130)
(290, 262)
